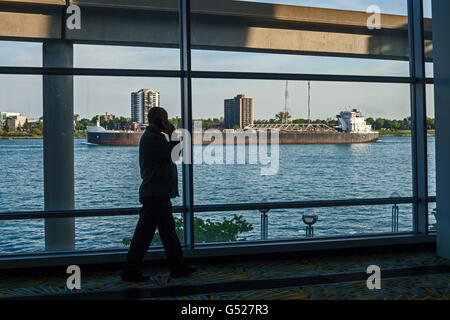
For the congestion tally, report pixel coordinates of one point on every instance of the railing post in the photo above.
(395, 212)
(264, 224)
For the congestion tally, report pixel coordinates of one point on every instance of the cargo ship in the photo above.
(351, 128)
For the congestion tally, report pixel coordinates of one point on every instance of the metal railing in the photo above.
(83, 213)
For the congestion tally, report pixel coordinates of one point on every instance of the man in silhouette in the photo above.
(159, 185)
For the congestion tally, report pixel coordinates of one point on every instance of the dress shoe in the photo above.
(182, 270)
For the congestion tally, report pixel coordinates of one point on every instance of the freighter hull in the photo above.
(285, 137)
(114, 138)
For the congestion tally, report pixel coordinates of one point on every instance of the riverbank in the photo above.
(79, 134)
(25, 138)
(383, 133)
(402, 133)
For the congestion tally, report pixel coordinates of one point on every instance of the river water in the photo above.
(108, 177)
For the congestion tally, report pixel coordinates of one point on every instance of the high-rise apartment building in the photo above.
(141, 102)
(6, 115)
(238, 112)
(15, 122)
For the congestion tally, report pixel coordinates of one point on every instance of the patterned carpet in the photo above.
(429, 286)
(434, 287)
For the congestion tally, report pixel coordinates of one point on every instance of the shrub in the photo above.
(208, 231)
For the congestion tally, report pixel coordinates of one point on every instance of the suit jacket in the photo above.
(158, 172)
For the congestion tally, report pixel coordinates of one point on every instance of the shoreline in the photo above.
(382, 134)
(25, 138)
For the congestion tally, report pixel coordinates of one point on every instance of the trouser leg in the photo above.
(169, 237)
(150, 215)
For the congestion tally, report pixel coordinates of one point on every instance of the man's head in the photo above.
(157, 117)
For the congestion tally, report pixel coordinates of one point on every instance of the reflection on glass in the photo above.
(322, 37)
(289, 224)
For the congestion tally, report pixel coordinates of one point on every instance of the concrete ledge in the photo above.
(216, 25)
(215, 250)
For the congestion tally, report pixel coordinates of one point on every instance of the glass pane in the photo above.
(21, 159)
(325, 37)
(432, 212)
(207, 60)
(21, 145)
(428, 30)
(21, 236)
(311, 162)
(20, 54)
(288, 224)
(100, 233)
(121, 57)
(107, 165)
(388, 7)
(107, 173)
(431, 142)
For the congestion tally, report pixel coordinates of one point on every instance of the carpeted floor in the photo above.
(409, 275)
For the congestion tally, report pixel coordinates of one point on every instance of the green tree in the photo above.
(207, 231)
(379, 123)
(370, 121)
(430, 124)
(282, 117)
(36, 132)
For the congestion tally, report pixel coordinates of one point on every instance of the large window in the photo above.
(286, 68)
(21, 159)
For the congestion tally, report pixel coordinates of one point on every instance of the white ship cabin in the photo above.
(352, 121)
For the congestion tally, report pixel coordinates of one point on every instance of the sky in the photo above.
(98, 95)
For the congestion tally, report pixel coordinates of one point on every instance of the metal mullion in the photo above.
(184, 7)
(91, 72)
(203, 74)
(298, 77)
(418, 116)
(303, 204)
(210, 208)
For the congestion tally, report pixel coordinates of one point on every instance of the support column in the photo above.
(58, 146)
(441, 53)
(186, 115)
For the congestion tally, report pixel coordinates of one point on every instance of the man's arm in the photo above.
(164, 148)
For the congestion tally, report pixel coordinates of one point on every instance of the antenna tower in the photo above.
(309, 102)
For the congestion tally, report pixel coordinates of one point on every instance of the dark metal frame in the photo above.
(416, 80)
(418, 115)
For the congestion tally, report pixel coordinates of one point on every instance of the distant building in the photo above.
(108, 117)
(6, 115)
(141, 102)
(127, 126)
(238, 112)
(15, 122)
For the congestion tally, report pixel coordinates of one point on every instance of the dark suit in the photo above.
(159, 185)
